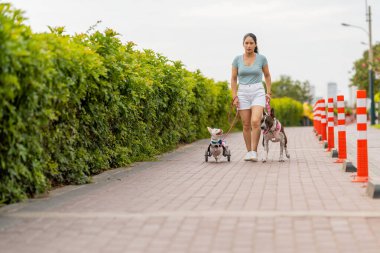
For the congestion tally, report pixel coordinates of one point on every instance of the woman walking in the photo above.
(250, 96)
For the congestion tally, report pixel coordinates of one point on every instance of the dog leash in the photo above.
(233, 121)
(232, 125)
(267, 105)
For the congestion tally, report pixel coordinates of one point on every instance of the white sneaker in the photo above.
(248, 156)
(254, 156)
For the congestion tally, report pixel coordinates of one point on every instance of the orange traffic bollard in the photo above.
(317, 119)
(322, 108)
(314, 125)
(362, 147)
(330, 124)
(342, 146)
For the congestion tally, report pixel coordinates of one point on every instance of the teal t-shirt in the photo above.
(250, 74)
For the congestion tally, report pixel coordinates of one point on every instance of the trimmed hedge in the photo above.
(288, 111)
(74, 106)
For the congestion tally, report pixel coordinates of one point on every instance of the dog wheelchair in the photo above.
(220, 144)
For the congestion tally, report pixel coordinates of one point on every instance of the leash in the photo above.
(231, 126)
(233, 121)
(267, 105)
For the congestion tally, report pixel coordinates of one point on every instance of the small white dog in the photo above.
(217, 146)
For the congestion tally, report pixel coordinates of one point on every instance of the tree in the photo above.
(286, 87)
(360, 77)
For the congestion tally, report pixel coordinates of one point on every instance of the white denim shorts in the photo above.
(250, 95)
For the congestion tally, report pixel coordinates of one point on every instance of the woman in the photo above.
(250, 97)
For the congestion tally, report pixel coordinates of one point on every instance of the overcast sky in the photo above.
(302, 39)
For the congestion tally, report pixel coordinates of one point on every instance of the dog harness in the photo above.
(219, 142)
(213, 142)
(275, 129)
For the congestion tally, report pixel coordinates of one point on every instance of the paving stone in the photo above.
(182, 204)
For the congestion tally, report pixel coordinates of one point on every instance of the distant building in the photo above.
(332, 90)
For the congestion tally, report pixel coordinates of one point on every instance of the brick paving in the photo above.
(373, 136)
(182, 204)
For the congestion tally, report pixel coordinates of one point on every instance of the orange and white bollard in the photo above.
(314, 126)
(322, 108)
(316, 118)
(330, 124)
(342, 146)
(362, 147)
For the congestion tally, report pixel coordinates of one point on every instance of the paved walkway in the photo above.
(373, 136)
(182, 204)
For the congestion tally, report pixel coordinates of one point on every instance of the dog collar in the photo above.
(275, 128)
(213, 142)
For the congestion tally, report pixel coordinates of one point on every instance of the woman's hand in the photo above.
(268, 96)
(235, 101)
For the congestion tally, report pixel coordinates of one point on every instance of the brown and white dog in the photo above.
(273, 131)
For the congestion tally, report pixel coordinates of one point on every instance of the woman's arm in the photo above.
(234, 74)
(268, 80)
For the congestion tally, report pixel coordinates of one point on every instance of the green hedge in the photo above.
(74, 106)
(288, 111)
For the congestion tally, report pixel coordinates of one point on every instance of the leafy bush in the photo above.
(74, 106)
(288, 111)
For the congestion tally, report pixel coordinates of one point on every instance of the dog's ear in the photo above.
(209, 129)
(272, 112)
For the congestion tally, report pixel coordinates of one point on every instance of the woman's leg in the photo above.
(245, 116)
(256, 115)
